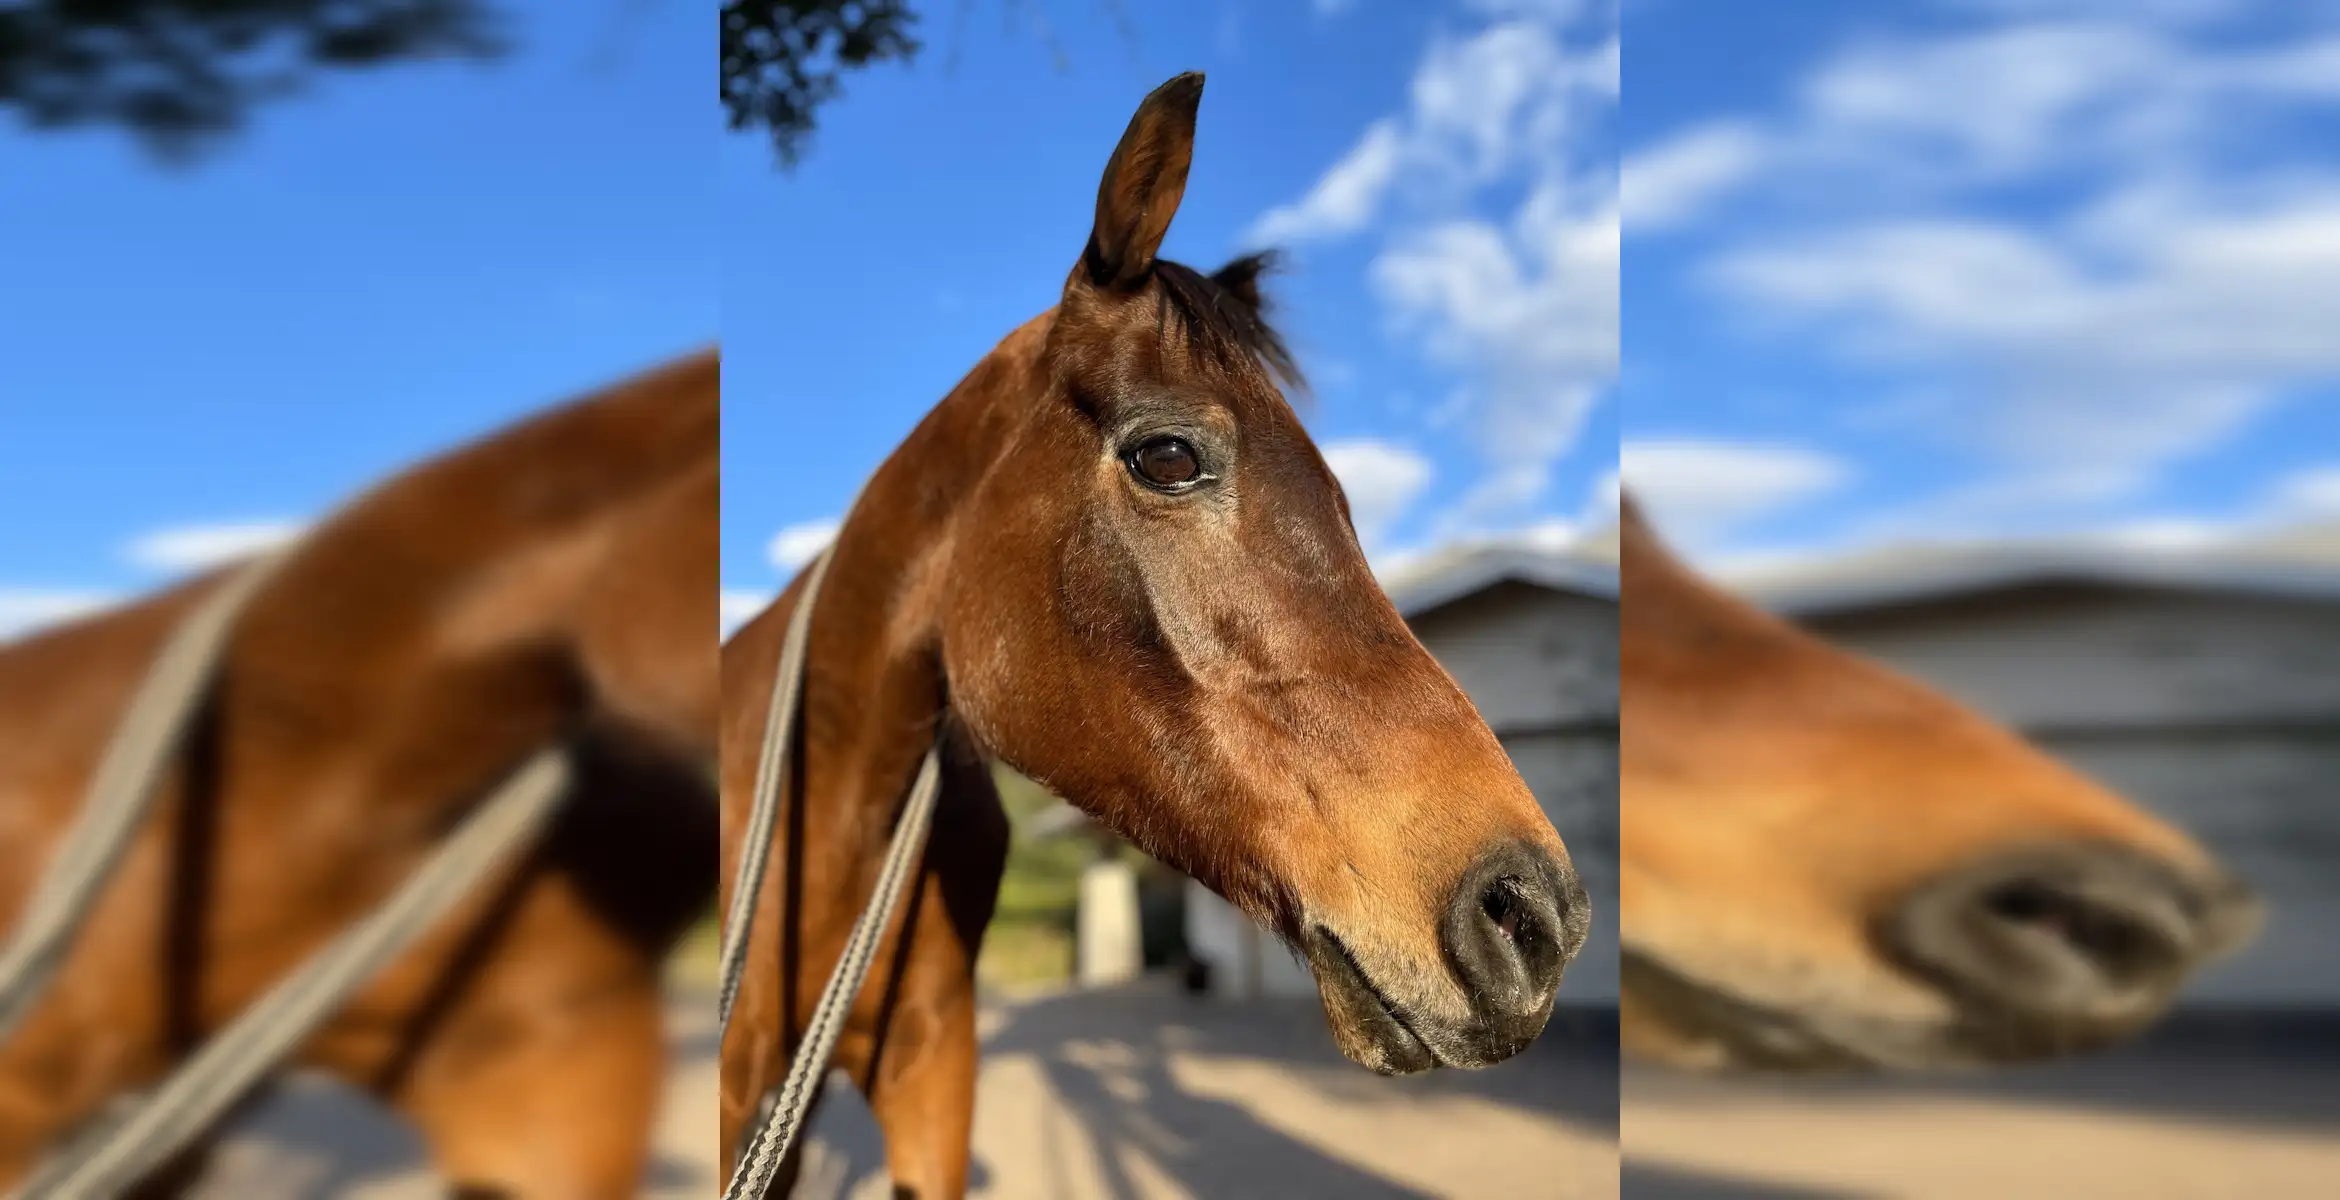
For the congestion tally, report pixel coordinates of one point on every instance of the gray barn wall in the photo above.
(2220, 712)
(1541, 665)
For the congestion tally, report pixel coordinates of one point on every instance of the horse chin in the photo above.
(1681, 1018)
(1370, 1030)
(1678, 1017)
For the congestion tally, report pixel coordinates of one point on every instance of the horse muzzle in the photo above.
(1506, 935)
(2062, 946)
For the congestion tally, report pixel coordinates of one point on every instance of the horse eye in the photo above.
(1166, 462)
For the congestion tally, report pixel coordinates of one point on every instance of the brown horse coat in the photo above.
(1112, 558)
(1826, 863)
(553, 581)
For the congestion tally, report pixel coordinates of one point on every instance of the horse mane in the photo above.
(1224, 314)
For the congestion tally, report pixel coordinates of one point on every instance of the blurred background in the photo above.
(256, 258)
(235, 299)
(1444, 178)
(1993, 339)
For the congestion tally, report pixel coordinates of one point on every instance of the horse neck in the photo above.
(549, 485)
(1675, 620)
(460, 579)
(877, 690)
(587, 460)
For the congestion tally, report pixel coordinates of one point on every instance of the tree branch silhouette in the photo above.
(784, 59)
(781, 59)
(182, 74)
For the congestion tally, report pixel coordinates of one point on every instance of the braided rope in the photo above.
(139, 1136)
(120, 793)
(764, 812)
(260, 1037)
(767, 1147)
(768, 1143)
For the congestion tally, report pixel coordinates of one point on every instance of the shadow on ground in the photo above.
(2261, 1070)
(2207, 1104)
(1146, 1092)
(1641, 1181)
(312, 1137)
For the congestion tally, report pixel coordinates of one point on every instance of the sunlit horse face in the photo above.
(1169, 622)
(1827, 864)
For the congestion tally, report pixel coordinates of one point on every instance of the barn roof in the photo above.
(1586, 566)
(1824, 585)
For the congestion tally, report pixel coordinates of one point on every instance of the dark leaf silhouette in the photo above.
(781, 59)
(180, 74)
(183, 75)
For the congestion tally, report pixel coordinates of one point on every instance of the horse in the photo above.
(1828, 865)
(552, 583)
(1112, 558)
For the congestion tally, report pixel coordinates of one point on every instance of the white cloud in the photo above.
(2311, 493)
(1491, 202)
(1701, 491)
(1989, 104)
(1503, 97)
(2168, 535)
(2166, 11)
(796, 545)
(1593, 532)
(736, 607)
(1559, 12)
(1532, 316)
(1893, 123)
(1669, 184)
(25, 610)
(191, 548)
(1606, 503)
(1344, 199)
(1596, 520)
(1555, 534)
(1382, 480)
(2102, 355)
(2169, 278)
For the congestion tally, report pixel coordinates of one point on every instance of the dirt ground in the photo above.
(316, 1139)
(1142, 1094)
(1133, 1094)
(2170, 1117)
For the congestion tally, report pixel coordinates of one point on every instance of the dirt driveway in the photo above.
(316, 1139)
(2178, 1116)
(1136, 1094)
(1141, 1094)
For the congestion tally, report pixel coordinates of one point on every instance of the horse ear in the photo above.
(1143, 183)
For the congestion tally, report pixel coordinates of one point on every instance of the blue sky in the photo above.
(1941, 268)
(194, 360)
(1444, 176)
(1977, 268)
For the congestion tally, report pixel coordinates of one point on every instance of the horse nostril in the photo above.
(2080, 931)
(2125, 938)
(1502, 907)
(2023, 900)
(1515, 919)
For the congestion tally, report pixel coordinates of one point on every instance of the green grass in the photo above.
(694, 961)
(1030, 939)
(1019, 956)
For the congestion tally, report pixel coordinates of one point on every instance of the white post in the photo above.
(1108, 947)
